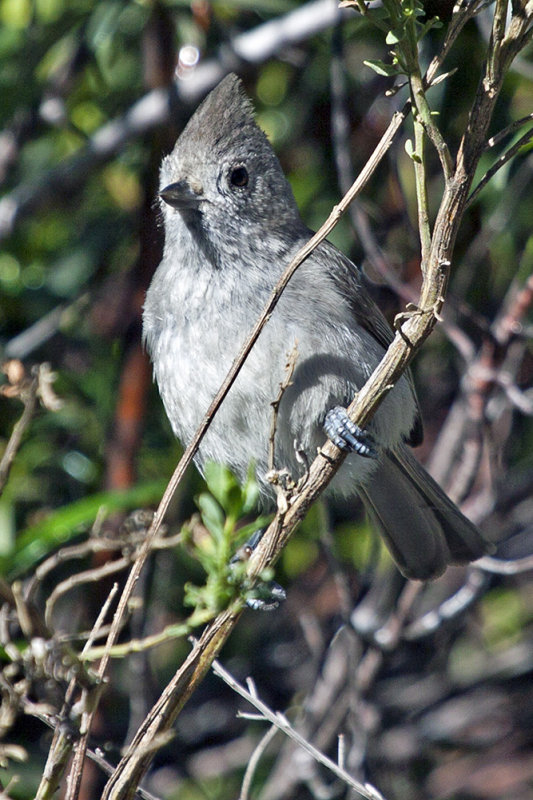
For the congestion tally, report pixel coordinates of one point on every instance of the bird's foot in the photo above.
(265, 595)
(348, 436)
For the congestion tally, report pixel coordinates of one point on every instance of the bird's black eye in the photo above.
(238, 176)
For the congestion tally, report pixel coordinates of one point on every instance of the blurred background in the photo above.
(93, 95)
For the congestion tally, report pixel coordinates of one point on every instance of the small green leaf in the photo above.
(411, 152)
(225, 487)
(390, 70)
(212, 514)
(220, 481)
(393, 38)
(192, 595)
(250, 491)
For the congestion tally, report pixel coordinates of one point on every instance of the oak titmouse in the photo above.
(231, 226)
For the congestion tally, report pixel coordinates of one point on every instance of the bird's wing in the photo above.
(366, 313)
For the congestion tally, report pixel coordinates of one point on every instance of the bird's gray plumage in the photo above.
(231, 226)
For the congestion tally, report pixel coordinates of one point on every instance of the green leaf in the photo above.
(212, 514)
(219, 479)
(393, 38)
(390, 70)
(224, 486)
(250, 491)
(411, 152)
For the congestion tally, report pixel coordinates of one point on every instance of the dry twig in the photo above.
(281, 722)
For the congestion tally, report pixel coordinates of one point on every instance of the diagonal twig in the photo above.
(281, 722)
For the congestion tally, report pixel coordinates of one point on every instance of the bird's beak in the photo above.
(182, 194)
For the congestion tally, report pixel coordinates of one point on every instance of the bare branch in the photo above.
(499, 566)
(451, 608)
(89, 709)
(292, 358)
(27, 390)
(514, 126)
(254, 761)
(282, 723)
(503, 159)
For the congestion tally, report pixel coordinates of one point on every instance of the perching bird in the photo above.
(231, 227)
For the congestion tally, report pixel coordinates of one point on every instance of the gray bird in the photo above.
(231, 226)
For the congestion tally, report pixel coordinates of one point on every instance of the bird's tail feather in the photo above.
(421, 526)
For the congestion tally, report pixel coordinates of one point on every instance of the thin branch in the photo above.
(463, 12)
(176, 630)
(421, 191)
(28, 394)
(64, 738)
(514, 126)
(452, 608)
(27, 341)
(499, 566)
(407, 52)
(35, 710)
(292, 358)
(253, 762)
(89, 709)
(497, 37)
(503, 159)
(502, 48)
(93, 575)
(388, 636)
(282, 723)
(418, 94)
